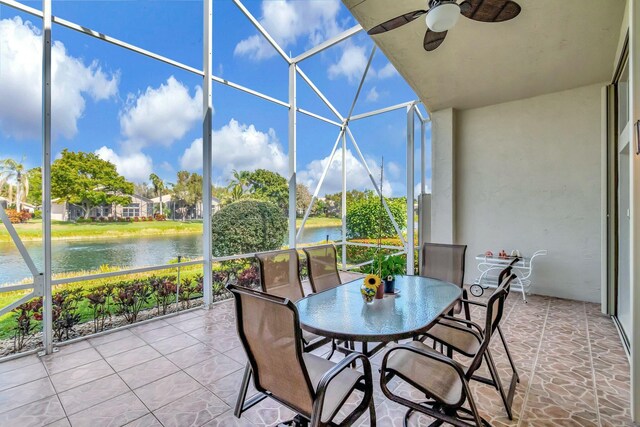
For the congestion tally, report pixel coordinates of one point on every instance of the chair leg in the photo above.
(333, 349)
(506, 349)
(242, 393)
(498, 384)
(372, 413)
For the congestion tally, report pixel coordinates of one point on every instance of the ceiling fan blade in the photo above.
(396, 22)
(432, 40)
(490, 10)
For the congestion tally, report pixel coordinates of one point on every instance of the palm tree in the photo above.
(158, 187)
(239, 183)
(11, 170)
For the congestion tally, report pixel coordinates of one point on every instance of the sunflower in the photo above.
(372, 281)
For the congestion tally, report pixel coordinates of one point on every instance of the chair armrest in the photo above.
(341, 366)
(464, 321)
(468, 301)
(428, 354)
(332, 373)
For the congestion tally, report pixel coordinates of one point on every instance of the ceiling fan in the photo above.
(442, 15)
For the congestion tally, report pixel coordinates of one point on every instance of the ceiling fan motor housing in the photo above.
(442, 15)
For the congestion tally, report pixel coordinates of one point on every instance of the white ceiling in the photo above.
(551, 46)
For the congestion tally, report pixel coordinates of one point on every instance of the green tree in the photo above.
(364, 217)
(333, 202)
(188, 191)
(303, 199)
(266, 185)
(239, 182)
(158, 187)
(11, 170)
(248, 226)
(86, 180)
(35, 186)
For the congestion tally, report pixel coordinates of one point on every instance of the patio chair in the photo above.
(465, 337)
(445, 262)
(465, 300)
(444, 381)
(322, 262)
(309, 385)
(279, 276)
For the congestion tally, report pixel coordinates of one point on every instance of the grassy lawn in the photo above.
(32, 230)
(318, 222)
(69, 230)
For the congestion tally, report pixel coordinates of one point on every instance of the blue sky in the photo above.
(145, 116)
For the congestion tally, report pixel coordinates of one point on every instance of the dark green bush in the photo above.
(248, 226)
(363, 217)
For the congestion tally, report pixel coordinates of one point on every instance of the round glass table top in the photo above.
(341, 312)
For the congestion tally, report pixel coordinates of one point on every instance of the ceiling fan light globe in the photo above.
(443, 17)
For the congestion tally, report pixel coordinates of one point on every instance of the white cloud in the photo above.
(239, 146)
(133, 166)
(373, 95)
(286, 21)
(357, 177)
(351, 64)
(21, 80)
(160, 115)
(387, 71)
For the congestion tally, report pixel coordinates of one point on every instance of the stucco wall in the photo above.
(528, 176)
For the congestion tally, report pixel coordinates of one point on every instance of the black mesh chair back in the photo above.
(279, 274)
(322, 262)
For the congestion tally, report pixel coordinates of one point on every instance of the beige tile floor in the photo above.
(186, 370)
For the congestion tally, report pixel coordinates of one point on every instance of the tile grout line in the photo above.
(535, 364)
(593, 368)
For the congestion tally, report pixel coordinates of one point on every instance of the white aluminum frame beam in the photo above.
(328, 43)
(364, 77)
(292, 155)
(207, 150)
(343, 202)
(262, 31)
(381, 110)
(410, 188)
(375, 186)
(47, 303)
(249, 91)
(319, 185)
(320, 94)
(317, 116)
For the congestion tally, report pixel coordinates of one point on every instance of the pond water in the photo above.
(79, 255)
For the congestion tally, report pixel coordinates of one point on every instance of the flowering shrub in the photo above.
(65, 312)
(16, 217)
(190, 287)
(26, 322)
(249, 278)
(165, 290)
(131, 298)
(160, 217)
(99, 299)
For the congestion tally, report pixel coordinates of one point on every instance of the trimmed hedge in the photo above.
(248, 226)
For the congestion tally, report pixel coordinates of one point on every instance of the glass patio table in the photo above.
(341, 313)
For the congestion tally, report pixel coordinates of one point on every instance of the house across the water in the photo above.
(140, 206)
